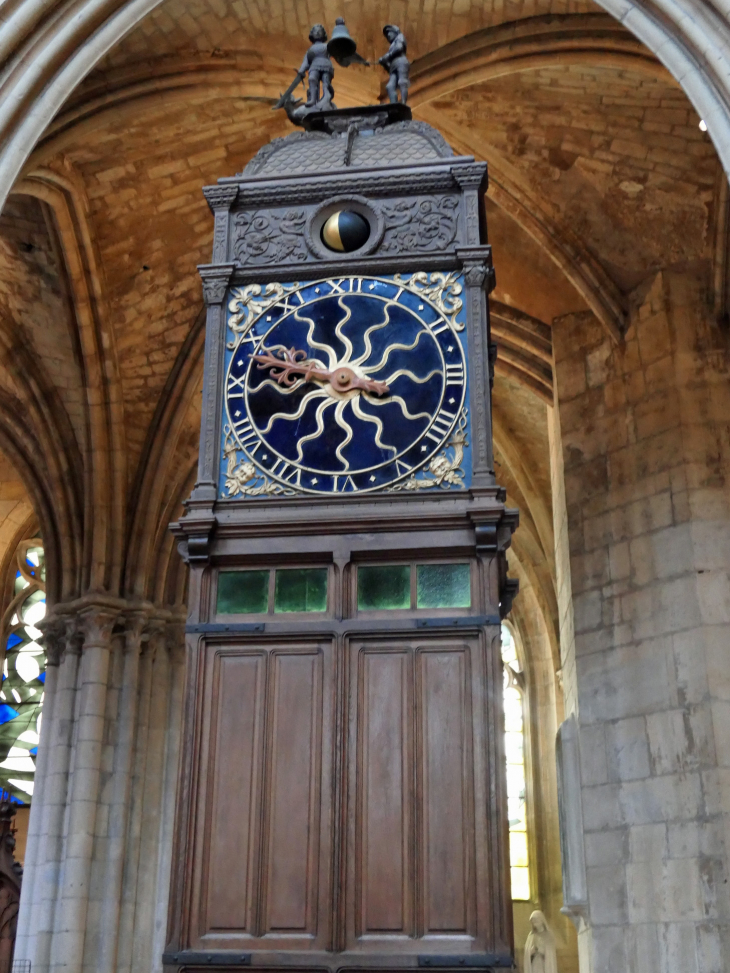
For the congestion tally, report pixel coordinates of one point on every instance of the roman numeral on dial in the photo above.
(454, 374)
(441, 425)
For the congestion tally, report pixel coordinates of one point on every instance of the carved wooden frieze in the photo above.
(429, 223)
(425, 225)
(266, 238)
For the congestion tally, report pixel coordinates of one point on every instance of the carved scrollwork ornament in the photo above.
(269, 238)
(424, 225)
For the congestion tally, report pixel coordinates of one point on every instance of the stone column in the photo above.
(120, 793)
(100, 849)
(67, 951)
(177, 652)
(41, 908)
(646, 448)
(152, 825)
(137, 808)
(54, 640)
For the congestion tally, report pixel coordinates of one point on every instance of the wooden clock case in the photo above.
(342, 796)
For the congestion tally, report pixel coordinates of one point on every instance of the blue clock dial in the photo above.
(344, 386)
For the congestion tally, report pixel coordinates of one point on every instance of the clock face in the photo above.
(343, 386)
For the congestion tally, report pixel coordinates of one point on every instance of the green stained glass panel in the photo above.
(301, 590)
(384, 587)
(243, 592)
(443, 586)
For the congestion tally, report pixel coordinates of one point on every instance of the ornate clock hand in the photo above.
(287, 363)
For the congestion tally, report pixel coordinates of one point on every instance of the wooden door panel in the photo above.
(446, 841)
(235, 773)
(412, 796)
(264, 803)
(292, 801)
(384, 885)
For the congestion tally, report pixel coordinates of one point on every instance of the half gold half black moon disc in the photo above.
(345, 231)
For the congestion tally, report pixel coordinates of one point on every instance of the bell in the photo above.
(341, 46)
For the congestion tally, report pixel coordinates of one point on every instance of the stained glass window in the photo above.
(24, 673)
(252, 592)
(514, 739)
(388, 586)
(405, 586)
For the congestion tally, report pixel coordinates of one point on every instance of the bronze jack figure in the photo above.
(318, 65)
(396, 62)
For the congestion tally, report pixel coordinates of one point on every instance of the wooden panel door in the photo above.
(263, 834)
(417, 801)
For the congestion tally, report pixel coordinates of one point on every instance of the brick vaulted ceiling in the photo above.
(600, 175)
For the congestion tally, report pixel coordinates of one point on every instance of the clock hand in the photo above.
(287, 363)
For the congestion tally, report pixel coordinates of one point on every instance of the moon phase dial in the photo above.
(345, 386)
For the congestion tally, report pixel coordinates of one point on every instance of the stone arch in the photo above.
(527, 45)
(41, 74)
(105, 445)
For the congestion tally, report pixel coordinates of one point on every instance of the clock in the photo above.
(346, 386)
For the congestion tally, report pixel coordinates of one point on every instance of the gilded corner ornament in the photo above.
(441, 289)
(444, 470)
(246, 480)
(248, 303)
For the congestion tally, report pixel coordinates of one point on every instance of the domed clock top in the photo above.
(345, 386)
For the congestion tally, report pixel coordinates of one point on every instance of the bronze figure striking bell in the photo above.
(341, 46)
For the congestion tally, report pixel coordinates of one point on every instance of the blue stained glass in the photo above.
(19, 716)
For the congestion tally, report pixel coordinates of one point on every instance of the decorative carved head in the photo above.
(317, 33)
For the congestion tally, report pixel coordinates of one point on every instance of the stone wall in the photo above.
(646, 449)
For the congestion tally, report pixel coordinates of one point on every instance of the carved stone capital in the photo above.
(96, 625)
(220, 197)
(54, 639)
(477, 264)
(175, 641)
(74, 636)
(135, 623)
(156, 636)
(216, 279)
(475, 274)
